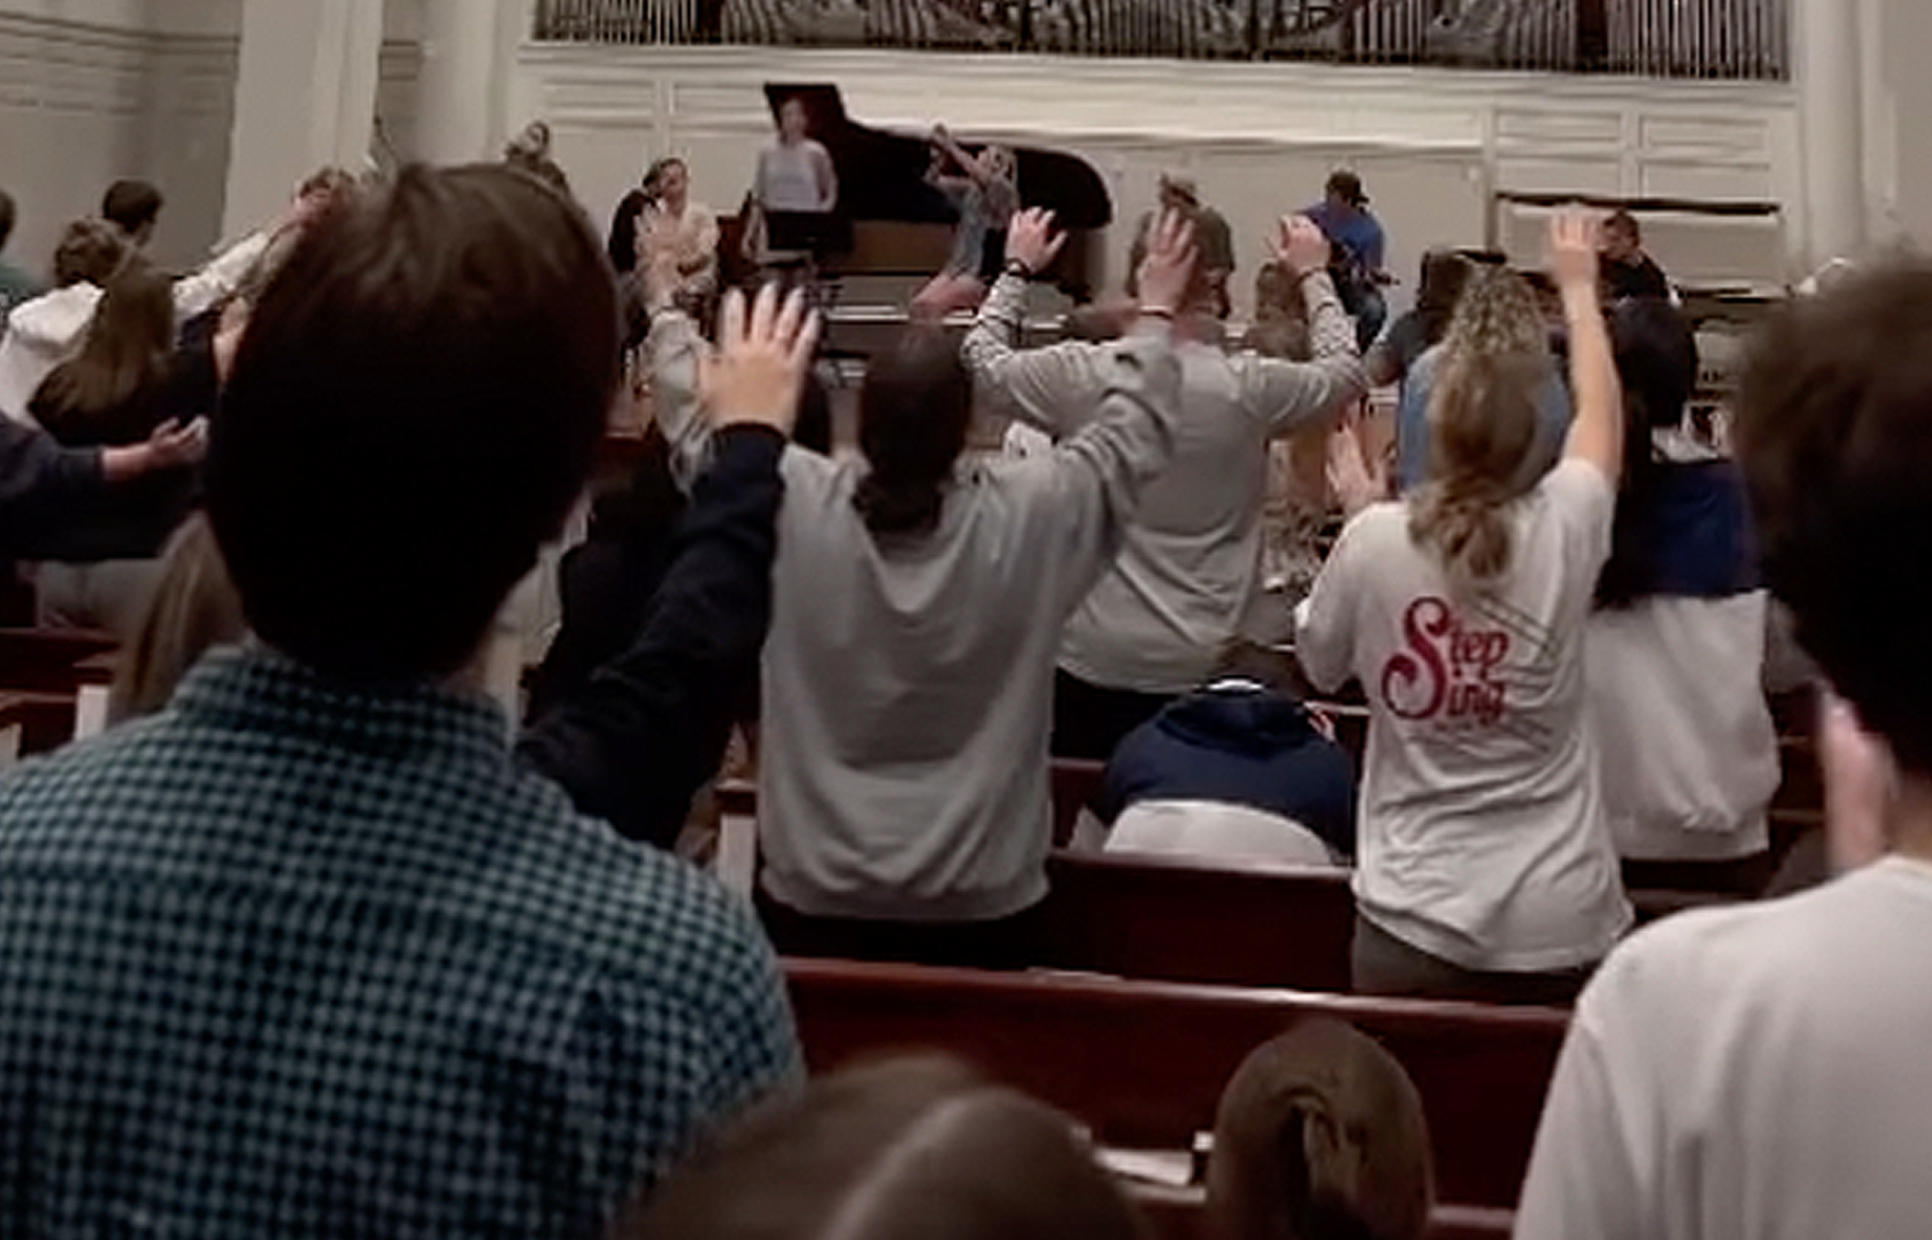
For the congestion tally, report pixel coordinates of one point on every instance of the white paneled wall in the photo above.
(1432, 145)
(93, 90)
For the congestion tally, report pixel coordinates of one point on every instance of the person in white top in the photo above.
(1760, 1072)
(49, 330)
(1485, 869)
(1676, 646)
(795, 177)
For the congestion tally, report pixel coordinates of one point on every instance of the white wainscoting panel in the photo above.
(1432, 145)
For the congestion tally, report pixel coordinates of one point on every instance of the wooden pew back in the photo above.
(1144, 1063)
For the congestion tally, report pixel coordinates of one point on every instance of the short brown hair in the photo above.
(917, 1149)
(90, 250)
(413, 410)
(1835, 435)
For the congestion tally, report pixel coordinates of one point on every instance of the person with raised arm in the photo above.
(1190, 566)
(918, 600)
(983, 190)
(1485, 869)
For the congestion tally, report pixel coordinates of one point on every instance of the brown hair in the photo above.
(1320, 1136)
(914, 411)
(916, 1149)
(193, 609)
(89, 250)
(1482, 425)
(433, 367)
(124, 355)
(1835, 435)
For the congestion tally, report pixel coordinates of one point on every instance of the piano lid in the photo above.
(882, 172)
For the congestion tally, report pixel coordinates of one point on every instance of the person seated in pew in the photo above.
(907, 1149)
(1486, 869)
(1759, 1072)
(1675, 649)
(1238, 769)
(1191, 562)
(903, 780)
(310, 937)
(1320, 1136)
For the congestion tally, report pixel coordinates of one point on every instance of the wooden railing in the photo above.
(1724, 39)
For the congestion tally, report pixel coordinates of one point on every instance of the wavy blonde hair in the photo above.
(1482, 426)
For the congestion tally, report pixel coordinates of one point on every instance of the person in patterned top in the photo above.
(310, 953)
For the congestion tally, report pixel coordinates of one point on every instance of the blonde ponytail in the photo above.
(1482, 428)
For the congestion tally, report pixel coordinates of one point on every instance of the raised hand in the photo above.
(1575, 234)
(1355, 483)
(1032, 241)
(1168, 270)
(754, 376)
(1300, 245)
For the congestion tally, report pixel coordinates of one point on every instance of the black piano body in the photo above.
(889, 222)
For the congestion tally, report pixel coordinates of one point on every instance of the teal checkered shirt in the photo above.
(293, 960)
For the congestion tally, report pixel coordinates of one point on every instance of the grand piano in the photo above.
(891, 223)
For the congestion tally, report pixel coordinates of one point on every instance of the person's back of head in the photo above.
(89, 251)
(1482, 426)
(1203, 294)
(412, 411)
(192, 609)
(125, 354)
(1281, 327)
(9, 213)
(134, 207)
(914, 412)
(1656, 354)
(1320, 1136)
(906, 1150)
(1445, 274)
(1835, 436)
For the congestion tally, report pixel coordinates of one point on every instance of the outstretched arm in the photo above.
(1054, 389)
(1288, 396)
(1597, 434)
(651, 726)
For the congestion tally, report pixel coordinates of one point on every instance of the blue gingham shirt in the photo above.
(292, 960)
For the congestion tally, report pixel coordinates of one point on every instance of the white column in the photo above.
(305, 97)
(1825, 37)
(457, 100)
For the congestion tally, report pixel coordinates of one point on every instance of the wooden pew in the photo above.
(1144, 1063)
(1241, 924)
(44, 660)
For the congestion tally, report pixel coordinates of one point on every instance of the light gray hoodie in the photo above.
(908, 680)
(1160, 621)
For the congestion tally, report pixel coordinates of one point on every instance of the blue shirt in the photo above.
(1359, 231)
(298, 960)
(1553, 416)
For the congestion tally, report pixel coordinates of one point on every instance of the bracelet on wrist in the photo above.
(1157, 312)
(1016, 267)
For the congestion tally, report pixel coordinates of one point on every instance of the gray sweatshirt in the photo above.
(1159, 621)
(908, 681)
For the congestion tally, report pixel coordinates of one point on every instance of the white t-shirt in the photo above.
(1685, 736)
(1753, 1073)
(1483, 839)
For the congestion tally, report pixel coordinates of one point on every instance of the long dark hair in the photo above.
(1657, 362)
(124, 357)
(913, 415)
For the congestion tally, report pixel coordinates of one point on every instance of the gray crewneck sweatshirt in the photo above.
(908, 681)
(1160, 619)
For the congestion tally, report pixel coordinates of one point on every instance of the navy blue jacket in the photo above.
(1237, 746)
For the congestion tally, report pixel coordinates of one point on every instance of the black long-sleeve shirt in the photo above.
(634, 744)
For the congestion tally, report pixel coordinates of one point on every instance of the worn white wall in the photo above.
(1899, 122)
(92, 90)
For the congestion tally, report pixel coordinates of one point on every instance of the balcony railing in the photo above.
(1725, 39)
